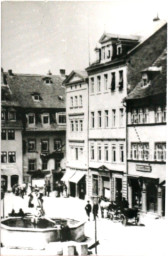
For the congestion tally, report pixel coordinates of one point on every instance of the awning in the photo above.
(77, 176)
(68, 174)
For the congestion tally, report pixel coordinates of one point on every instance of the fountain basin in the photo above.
(20, 233)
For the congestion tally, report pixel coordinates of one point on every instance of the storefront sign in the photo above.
(143, 168)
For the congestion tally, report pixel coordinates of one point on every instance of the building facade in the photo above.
(42, 101)
(77, 133)
(11, 137)
(107, 118)
(146, 135)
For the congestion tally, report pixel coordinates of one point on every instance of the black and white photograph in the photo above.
(84, 128)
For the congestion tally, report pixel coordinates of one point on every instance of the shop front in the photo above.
(78, 184)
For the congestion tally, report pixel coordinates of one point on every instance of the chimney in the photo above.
(156, 18)
(10, 72)
(62, 73)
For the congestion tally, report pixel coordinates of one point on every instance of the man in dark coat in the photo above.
(88, 209)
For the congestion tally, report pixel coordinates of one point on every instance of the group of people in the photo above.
(20, 190)
(61, 188)
(122, 204)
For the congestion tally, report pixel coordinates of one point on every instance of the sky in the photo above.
(41, 36)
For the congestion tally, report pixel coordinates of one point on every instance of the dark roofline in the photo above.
(143, 42)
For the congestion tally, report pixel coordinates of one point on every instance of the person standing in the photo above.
(88, 209)
(95, 210)
(48, 188)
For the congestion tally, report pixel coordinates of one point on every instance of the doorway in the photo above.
(72, 189)
(151, 197)
(82, 188)
(118, 188)
(4, 182)
(14, 180)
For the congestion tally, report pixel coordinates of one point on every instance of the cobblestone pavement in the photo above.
(149, 238)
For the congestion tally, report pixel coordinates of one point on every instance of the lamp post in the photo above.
(95, 236)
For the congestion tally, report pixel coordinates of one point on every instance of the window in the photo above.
(45, 119)
(98, 83)
(76, 153)
(72, 102)
(106, 118)
(31, 118)
(76, 125)
(160, 151)
(92, 156)
(81, 151)
(105, 82)
(11, 134)
(99, 153)
(113, 153)
(160, 114)
(36, 97)
(44, 164)
(76, 101)
(140, 151)
(122, 153)
(95, 185)
(12, 157)
(72, 126)
(103, 53)
(108, 52)
(81, 125)
(99, 119)
(106, 153)
(44, 146)
(119, 49)
(113, 117)
(31, 145)
(57, 145)
(121, 83)
(121, 117)
(145, 80)
(140, 116)
(61, 119)
(3, 134)
(3, 157)
(80, 100)
(12, 116)
(113, 81)
(146, 115)
(92, 120)
(3, 115)
(32, 164)
(92, 85)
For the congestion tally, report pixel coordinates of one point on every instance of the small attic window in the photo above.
(145, 80)
(119, 49)
(47, 80)
(60, 97)
(36, 97)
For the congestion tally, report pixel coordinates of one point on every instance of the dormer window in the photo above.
(36, 97)
(47, 80)
(145, 80)
(119, 49)
(31, 119)
(103, 53)
(61, 118)
(12, 115)
(108, 52)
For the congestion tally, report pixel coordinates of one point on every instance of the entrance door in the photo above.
(106, 187)
(4, 182)
(118, 189)
(151, 197)
(82, 188)
(136, 194)
(14, 180)
(72, 189)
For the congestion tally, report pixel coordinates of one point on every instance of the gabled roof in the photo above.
(143, 40)
(24, 86)
(158, 84)
(82, 74)
(108, 36)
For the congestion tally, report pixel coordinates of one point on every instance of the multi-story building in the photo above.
(107, 123)
(111, 77)
(77, 133)
(42, 101)
(146, 135)
(11, 137)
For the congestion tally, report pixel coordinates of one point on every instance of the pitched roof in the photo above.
(81, 73)
(23, 86)
(158, 84)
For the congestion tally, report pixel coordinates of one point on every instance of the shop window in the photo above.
(3, 157)
(11, 134)
(3, 134)
(95, 185)
(57, 145)
(31, 145)
(32, 164)
(160, 152)
(12, 157)
(44, 146)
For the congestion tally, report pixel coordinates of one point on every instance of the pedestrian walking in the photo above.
(48, 188)
(88, 209)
